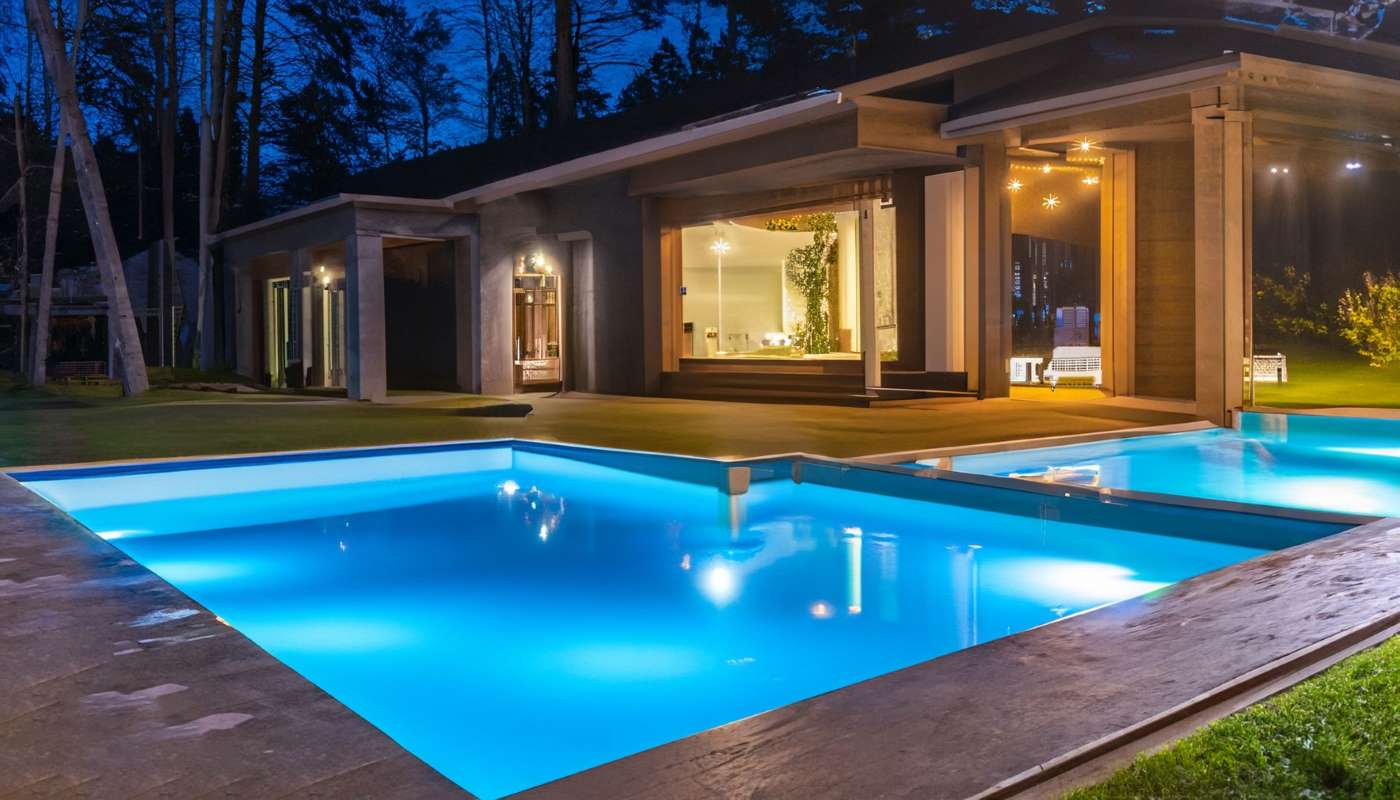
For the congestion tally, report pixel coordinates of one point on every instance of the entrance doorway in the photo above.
(278, 331)
(1057, 310)
(536, 341)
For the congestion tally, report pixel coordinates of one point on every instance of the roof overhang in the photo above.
(1175, 82)
(800, 112)
(330, 204)
(870, 136)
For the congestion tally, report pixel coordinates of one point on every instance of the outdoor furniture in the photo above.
(1075, 363)
(1270, 368)
(80, 372)
(1026, 369)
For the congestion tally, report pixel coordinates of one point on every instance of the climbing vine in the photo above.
(809, 268)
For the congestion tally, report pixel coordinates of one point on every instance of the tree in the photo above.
(665, 76)
(39, 357)
(565, 63)
(431, 88)
(22, 232)
(94, 196)
(252, 181)
(1370, 319)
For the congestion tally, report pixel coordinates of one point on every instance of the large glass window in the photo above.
(774, 286)
(1055, 289)
(1326, 279)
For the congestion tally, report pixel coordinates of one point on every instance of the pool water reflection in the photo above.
(513, 617)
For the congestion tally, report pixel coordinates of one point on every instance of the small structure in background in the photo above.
(1026, 369)
(1075, 364)
(1073, 326)
(1270, 368)
(80, 344)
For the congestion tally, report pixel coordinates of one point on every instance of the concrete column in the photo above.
(111, 345)
(944, 266)
(972, 276)
(298, 317)
(652, 299)
(994, 270)
(465, 259)
(247, 330)
(1223, 155)
(315, 355)
(364, 318)
(869, 338)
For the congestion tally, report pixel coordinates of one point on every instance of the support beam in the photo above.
(248, 328)
(994, 270)
(1117, 264)
(465, 285)
(298, 318)
(944, 265)
(869, 339)
(1223, 155)
(364, 310)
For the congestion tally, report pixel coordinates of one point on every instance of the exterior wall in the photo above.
(595, 231)
(1165, 292)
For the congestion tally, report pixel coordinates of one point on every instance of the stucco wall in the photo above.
(593, 230)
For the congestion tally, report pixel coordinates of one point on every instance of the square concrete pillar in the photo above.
(466, 281)
(247, 328)
(298, 317)
(869, 338)
(944, 272)
(364, 324)
(989, 231)
(1223, 156)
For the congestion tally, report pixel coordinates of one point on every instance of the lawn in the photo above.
(1334, 736)
(73, 424)
(1319, 377)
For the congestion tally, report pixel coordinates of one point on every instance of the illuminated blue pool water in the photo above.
(513, 616)
(1347, 465)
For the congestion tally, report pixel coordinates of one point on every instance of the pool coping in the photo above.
(617, 776)
(118, 684)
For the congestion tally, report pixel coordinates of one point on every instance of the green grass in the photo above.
(1334, 736)
(80, 423)
(1321, 377)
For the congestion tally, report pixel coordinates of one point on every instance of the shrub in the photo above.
(1370, 319)
(1281, 306)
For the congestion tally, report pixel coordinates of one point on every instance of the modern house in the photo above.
(1096, 184)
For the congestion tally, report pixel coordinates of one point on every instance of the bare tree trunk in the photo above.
(39, 359)
(233, 26)
(94, 195)
(565, 73)
(205, 167)
(23, 231)
(487, 39)
(167, 167)
(252, 187)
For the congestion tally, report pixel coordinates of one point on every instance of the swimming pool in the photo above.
(1347, 465)
(514, 613)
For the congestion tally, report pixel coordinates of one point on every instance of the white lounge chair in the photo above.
(1075, 363)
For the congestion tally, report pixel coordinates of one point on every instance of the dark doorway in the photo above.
(419, 321)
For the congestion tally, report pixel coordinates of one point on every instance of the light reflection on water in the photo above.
(518, 623)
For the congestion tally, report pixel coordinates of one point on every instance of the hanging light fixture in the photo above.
(1050, 201)
(1014, 185)
(1045, 168)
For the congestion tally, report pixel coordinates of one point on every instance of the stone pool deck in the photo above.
(115, 684)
